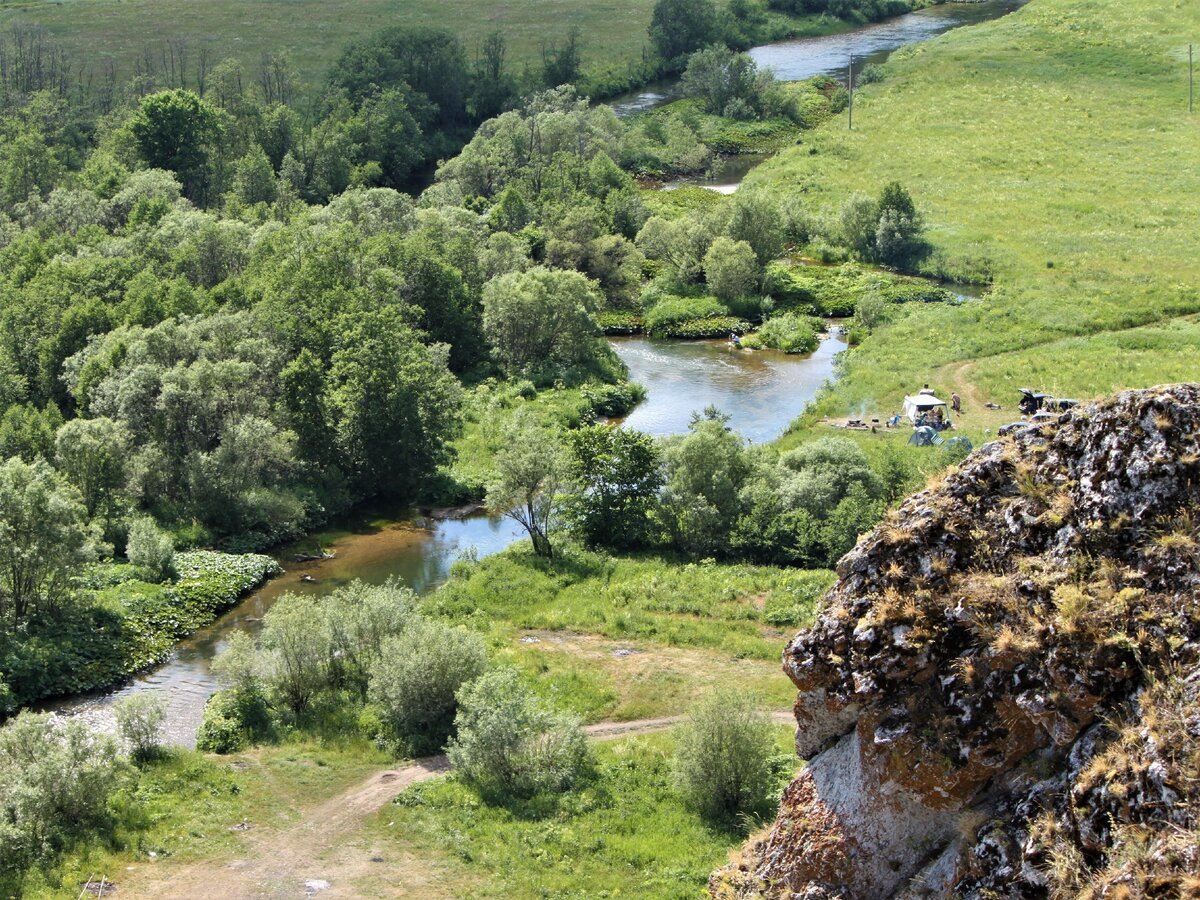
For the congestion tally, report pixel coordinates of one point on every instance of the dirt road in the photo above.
(323, 854)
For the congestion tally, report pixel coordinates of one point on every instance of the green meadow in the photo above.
(1052, 151)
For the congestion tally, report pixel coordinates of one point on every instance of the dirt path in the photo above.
(322, 855)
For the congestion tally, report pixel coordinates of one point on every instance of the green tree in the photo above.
(393, 401)
(541, 320)
(723, 758)
(56, 779)
(151, 548)
(617, 474)
(91, 453)
(731, 269)
(527, 484)
(140, 719)
(298, 646)
(679, 27)
(509, 745)
(416, 677)
(254, 179)
(44, 537)
(175, 130)
(705, 472)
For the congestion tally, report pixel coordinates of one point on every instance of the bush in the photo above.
(140, 720)
(415, 680)
(789, 332)
(222, 730)
(671, 311)
(723, 759)
(151, 549)
(55, 782)
(731, 269)
(509, 745)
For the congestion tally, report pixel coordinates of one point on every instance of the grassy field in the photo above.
(625, 835)
(314, 32)
(1053, 147)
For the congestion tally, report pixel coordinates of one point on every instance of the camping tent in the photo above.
(921, 404)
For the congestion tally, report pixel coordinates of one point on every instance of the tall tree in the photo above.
(175, 130)
(680, 27)
(44, 536)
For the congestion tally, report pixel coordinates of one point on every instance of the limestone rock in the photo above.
(992, 696)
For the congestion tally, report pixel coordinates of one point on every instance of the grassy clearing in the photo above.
(621, 681)
(625, 834)
(742, 611)
(1048, 147)
(184, 807)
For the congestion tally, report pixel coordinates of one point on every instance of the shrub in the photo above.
(671, 311)
(222, 730)
(151, 548)
(140, 719)
(509, 745)
(789, 332)
(55, 782)
(415, 680)
(298, 643)
(731, 269)
(723, 759)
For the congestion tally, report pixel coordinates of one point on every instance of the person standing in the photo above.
(956, 403)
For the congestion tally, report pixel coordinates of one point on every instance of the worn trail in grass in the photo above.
(325, 850)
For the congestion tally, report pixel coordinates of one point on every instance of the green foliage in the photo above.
(415, 679)
(530, 472)
(618, 474)
(680, 27)
(140, 718)
(670, 313)
(789, 332)
(731, 269)
(174, 130)
(723, 759)
(44, 536)
(151, 549)
(705, 472)
(55, 782)
(541, 322)
(731, 85)
(510, 746)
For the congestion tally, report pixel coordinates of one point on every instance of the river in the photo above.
(762, 391)
(801, 58)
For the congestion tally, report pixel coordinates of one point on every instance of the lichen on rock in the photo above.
(999, 698)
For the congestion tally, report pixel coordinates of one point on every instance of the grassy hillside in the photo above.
(1053, 147)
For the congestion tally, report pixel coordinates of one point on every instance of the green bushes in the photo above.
(415, 678)
(789, 332)
(140, 719)
(672, 311)
(724, 759)
(55, 782)
(151, 549)
(509, 745)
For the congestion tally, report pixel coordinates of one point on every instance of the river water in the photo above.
(761, 391)
(829, 55)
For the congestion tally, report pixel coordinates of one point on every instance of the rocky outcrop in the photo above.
(999, 698)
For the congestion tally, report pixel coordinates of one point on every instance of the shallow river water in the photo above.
(763, 391)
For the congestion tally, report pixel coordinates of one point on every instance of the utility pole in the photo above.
(850, 88)
(1189, 79)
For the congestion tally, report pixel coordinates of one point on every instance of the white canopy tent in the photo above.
(922, 404)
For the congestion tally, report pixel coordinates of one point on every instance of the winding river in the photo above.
(762, 392)
(801, 58)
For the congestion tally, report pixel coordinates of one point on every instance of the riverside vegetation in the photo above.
(222, 322)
